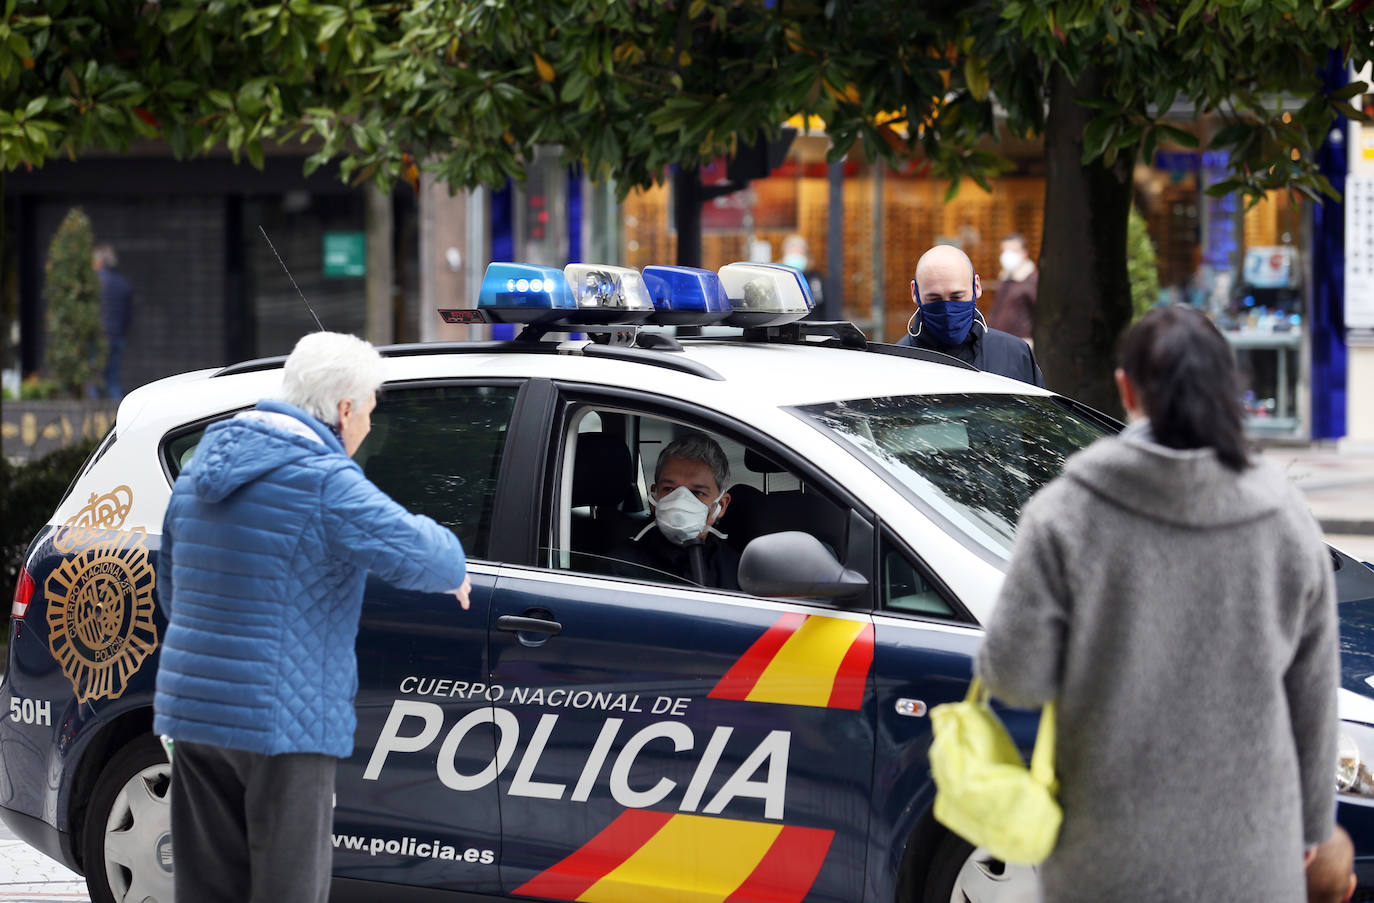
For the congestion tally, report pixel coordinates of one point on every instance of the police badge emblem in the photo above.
(100, 612)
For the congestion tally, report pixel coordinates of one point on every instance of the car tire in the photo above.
(962, 873)
(126, 840)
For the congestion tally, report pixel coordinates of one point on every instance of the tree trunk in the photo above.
(381, 308)
(1084, 298)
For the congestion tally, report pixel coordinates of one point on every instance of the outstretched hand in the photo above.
(461, 593)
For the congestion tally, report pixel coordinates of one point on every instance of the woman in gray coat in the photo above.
(1176, 598)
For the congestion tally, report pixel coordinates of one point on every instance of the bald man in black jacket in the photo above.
(945, 291)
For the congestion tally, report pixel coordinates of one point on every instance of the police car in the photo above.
(587, 731)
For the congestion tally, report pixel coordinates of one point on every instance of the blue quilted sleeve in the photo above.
(363, 525)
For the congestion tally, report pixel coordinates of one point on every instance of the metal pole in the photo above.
(877, 312)
(833, 306)
(687, 215)
(477, 252)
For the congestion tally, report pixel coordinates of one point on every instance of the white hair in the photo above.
(325, 368)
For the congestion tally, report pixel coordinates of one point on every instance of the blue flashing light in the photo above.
(686, 296)
(524, 293)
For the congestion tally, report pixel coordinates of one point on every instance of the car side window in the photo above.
(437, 451)
(605, 522)
(906, 588)
(179, 451)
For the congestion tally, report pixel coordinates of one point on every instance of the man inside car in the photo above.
(687, 499)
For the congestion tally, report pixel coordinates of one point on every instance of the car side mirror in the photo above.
(795, 564)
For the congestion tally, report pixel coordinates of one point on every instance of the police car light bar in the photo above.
(764, 294)
(589, 295)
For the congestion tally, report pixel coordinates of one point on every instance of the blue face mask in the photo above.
(948, 321)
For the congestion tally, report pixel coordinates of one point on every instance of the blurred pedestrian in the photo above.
(945, 291)
(796, 253)
(268, 539)
(1014, 310)
(1174, 595)
(116, 314)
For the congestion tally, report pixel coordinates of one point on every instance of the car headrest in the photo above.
(602, 470)
(757, 463)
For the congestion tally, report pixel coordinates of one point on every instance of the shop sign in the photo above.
(1359, 252)
(345, 254)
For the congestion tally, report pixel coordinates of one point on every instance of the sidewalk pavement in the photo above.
(1338, 482)
(27, 876)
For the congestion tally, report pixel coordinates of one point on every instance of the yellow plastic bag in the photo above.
(983, 790)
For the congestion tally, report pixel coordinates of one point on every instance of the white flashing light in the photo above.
(607, 294)
(764, 294)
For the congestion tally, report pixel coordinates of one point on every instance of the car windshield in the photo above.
(970, 460)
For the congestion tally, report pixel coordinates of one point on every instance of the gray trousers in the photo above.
(250, 827)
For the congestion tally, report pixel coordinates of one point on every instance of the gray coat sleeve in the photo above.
(1310, 684)
(1022, 653)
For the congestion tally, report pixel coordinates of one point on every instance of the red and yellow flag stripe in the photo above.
(804, 660)
(672, 858)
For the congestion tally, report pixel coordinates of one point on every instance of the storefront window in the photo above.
(1244, 266)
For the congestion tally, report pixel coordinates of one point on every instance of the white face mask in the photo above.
(681, 516)
(1010, 260)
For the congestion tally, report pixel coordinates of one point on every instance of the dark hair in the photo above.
(1186, 376)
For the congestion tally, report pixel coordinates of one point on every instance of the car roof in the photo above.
(724, 373)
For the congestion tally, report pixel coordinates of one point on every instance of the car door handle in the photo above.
(517, 624)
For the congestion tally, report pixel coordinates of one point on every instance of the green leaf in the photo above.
(976, 77)
(178, 19)
(1097, 136)
(1350, 112)
(1233, 134)
(1225, 187)
(575, 86)
(1351, 90)
(1178, 136)
(1148, 146)
(1191, 10)
(330, 28)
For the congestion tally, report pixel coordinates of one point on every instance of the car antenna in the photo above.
(292, 278)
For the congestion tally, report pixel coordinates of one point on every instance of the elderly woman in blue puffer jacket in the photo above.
(266, 545)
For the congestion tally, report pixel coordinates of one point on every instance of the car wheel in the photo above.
(962, 873)
(127, 837)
